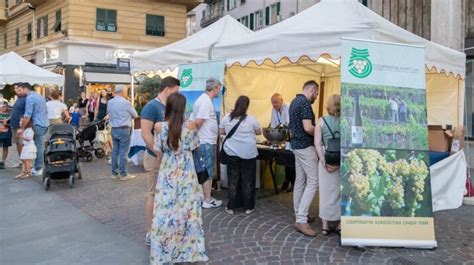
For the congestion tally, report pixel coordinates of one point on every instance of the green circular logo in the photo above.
(359, 64)
(186, 77)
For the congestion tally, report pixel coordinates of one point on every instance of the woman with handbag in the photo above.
(240, 149)
(177, 235)
(327, 143)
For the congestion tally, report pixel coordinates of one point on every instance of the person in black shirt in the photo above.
(302, 122)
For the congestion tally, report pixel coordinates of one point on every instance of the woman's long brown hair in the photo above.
(174, 115)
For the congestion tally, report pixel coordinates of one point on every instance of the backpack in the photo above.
(332, 153)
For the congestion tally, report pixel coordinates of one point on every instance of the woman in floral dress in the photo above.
(177, 234)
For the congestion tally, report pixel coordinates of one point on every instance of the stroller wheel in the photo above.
(72, 180)
(88, 156)
(99, 153)
(46, 183)
(79, 170)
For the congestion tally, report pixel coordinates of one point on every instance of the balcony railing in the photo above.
(211, 17)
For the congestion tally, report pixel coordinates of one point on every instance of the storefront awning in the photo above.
(106, 78)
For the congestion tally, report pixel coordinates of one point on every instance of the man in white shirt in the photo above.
(280, 115)
(394, 109)
(204, 115)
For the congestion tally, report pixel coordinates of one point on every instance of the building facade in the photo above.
(89, 41)
(449, 23)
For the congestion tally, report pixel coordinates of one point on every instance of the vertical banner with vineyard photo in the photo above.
(193, 79)
(385, 178)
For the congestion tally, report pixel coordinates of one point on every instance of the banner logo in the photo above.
(359, 64)
(186, 77)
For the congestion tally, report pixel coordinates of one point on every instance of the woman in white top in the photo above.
(56, 108)
(241, 149)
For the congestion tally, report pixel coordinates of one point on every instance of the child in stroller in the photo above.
(95, 134)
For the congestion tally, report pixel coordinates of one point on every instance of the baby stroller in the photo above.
(61, 159)
(89, 133)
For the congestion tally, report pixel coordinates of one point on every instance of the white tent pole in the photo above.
(132, 85)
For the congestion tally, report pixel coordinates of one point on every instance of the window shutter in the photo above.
(45, 25)
(267, 16)
(111, 20)
(38, 28)
(100, 20)
(252, 21)
(17, 37)
(161, 25)
(5, 40)
(228, 5)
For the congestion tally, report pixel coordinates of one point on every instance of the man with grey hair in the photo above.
(204, 115)
(121, 113)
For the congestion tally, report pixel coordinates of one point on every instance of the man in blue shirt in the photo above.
(302, 121)
(35, 110)
(153, 112)
(121, 113)
(18, 111)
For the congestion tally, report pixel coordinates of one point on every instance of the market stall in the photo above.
(13, 69)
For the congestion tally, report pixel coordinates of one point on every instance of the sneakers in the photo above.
(305, 229)
(127, 177)
(148, 239)
(2, 165)
(249, 211)
(114, 177)
(229, 211)
(109, 161)
(37, 173)
(212, 204)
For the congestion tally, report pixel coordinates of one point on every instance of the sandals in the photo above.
(23, 175)
(19, 176)
(325, 232)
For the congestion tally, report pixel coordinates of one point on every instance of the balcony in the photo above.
(190, 4)
(211, 17)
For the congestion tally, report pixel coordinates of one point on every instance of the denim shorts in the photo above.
(209, 155)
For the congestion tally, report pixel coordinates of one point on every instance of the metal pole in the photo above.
(132, 86)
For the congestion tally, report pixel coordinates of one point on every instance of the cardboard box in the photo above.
(458, 139)
(439, 140)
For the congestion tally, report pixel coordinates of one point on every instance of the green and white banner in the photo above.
(385, 178)
(193, 79)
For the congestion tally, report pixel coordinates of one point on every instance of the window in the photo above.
(42, 27)
(155, 25)
(242, 2)
(5, 40)
(258, 19)
(29, 34)
(267, 16)
(231, 4)
(251, 22)
(57, 24)
(274, 13)
(106, 20)
(245, 21)
(364, 2)
(17, 37)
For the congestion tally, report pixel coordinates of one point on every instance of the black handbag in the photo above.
(223, 154)
(199, 166)
(332, 154)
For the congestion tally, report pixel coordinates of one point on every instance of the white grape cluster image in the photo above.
(385, 183)
(359, 65)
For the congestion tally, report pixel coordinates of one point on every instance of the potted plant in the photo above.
(148, 89)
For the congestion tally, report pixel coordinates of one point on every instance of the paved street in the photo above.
(99, 205)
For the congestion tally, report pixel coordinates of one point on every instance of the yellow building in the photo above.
(89, 41)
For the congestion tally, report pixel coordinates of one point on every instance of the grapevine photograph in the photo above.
(376, 116)
(385, 183)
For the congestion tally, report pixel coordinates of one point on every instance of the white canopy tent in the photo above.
(194, 48)
(13, 69)
(309, 45)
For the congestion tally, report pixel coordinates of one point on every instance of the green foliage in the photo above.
(147, 90)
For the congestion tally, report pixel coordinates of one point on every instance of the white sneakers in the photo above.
(36, 173)
(211, 204)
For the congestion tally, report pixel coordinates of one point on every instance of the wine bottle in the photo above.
(357, 131)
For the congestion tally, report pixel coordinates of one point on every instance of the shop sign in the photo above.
(123, 63)
(116, 54)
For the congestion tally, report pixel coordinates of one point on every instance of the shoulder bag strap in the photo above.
(333, 136)
(229, 135)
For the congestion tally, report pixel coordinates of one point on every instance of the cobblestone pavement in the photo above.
(264, 237)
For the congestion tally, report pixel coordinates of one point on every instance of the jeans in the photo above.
(208, 152)
(40, 132)
(241, 182)
(120, 146)
(395, 116)
(306, 182)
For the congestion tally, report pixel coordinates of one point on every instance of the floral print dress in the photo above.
(177, 234)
